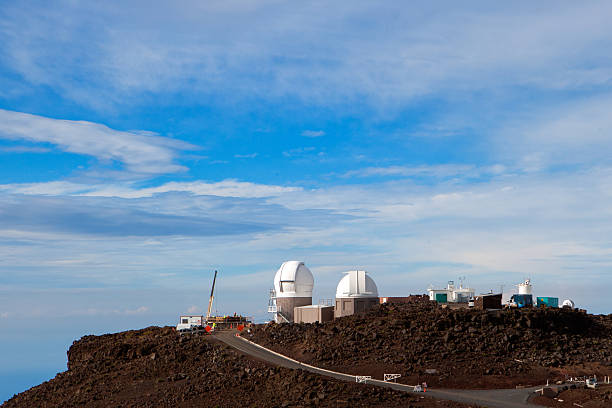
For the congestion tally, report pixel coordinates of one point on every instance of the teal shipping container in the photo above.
(548, 301)
(441, 297)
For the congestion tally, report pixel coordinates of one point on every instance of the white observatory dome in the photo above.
(356, 284)
(293, 279)
(568, 303)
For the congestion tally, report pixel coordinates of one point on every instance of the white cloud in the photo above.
(138, 152)
(443, 170)
(24, 149)
(194, 309)
(552, 227)
(225, 188)
(573, 133)
(273, 50)
(139, 310)
(246, 156)
(4, 315)
(48, 188)
(313, 133)
(299, 151)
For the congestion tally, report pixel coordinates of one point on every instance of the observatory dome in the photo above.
(568, 303)
(356, 284)
(293, 279)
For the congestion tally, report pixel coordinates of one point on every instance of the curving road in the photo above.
(508, 398)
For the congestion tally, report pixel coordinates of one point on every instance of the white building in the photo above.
(293, 284)
(451, 294)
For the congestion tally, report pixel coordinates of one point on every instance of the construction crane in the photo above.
(212, 296)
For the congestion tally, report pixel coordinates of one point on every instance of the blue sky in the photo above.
(144, 145)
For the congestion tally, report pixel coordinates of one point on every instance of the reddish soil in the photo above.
(466, 348)
(156, 367)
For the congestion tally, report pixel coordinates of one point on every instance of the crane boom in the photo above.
(212, 296)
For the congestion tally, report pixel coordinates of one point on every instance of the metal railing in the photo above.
(279, 313)
(326, 302)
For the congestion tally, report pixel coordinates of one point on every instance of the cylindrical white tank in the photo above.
(525, 288)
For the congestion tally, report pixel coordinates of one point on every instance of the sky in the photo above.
(145, 144)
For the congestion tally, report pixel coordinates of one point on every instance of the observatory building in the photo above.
(293, 285)
(356, 293)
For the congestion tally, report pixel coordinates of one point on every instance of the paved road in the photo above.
(511, 398)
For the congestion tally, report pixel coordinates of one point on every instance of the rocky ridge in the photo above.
(462, 348)
(156, 367)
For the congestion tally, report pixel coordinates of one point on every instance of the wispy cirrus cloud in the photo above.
(299, 151)
(313, 133)
(246, 156)
(224, 188)
(572, 133)
(420, 50)
(24, 149)
(143, 153)
(440, 171)
(111, 217)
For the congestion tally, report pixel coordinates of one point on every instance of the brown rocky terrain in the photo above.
(156, 367)
(581, 397)
(452, 348)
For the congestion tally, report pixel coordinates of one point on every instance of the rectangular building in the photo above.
(488, 301)
(350, 306)
(313, 313)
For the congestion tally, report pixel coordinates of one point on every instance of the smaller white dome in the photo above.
(568, 303)
(356, 284)
(293, 279)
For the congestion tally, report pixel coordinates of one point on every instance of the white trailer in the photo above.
(189, 322)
